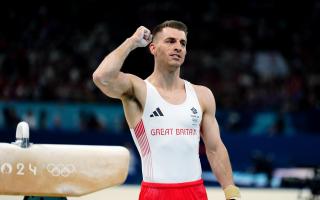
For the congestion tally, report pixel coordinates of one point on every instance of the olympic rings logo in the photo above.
(64, 170)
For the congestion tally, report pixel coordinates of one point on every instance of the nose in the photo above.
(177, 48)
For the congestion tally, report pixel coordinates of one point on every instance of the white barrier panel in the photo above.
(61, 170)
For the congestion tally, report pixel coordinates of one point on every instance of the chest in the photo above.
(174, 117)
(175, 97)
(174, 129)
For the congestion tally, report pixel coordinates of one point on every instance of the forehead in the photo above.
(168, 32)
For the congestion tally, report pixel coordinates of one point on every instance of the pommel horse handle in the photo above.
(59, 170)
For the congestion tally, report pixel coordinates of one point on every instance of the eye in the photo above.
(171, 41)
(183, 43)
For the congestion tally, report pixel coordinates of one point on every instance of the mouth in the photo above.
(175, 56)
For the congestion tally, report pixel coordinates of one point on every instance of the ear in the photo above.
(152, 48)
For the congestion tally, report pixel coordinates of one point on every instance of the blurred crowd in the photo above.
(253, 55)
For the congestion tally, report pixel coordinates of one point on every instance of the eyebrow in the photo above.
(172, 38)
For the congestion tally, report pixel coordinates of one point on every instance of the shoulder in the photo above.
(138, 88)
(205, 96)
(136, 81)
(134, 78)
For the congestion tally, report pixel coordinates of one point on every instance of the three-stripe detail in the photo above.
(157, 113)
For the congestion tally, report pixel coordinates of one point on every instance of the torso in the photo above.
(167, 134)
(134, 106)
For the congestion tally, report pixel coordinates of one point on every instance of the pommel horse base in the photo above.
(60, 170)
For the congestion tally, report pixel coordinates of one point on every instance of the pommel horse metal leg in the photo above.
(52, 172)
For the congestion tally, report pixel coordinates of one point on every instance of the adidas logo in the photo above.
(156, 113)
(194, 111)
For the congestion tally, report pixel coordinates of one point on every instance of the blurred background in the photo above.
(260, 58)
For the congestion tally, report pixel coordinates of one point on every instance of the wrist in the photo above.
(232, 192)
(131, 44)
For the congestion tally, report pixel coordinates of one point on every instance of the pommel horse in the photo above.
(50, 170)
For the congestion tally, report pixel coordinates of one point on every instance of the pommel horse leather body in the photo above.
(61, 170)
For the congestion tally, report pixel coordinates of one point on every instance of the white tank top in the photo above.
(167, 138)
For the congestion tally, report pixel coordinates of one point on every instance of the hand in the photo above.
(232, 192)
(142, 37)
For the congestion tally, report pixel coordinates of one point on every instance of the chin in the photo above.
(174, 66)
(176, 63)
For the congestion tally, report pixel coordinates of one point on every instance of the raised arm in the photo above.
(215, 149)
(108, 76)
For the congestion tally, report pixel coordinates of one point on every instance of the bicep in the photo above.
(119, 86)
(210, 132)
(209, 126)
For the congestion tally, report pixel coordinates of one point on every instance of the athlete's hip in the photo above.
(193, 190)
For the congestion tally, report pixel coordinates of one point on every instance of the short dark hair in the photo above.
(171, 24)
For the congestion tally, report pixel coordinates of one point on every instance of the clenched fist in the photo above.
(142, 37)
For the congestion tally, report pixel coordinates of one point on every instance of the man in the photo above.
(166, 116)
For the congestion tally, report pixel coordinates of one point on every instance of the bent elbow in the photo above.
(96, 78)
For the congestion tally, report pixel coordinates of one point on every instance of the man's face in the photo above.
(169, 47)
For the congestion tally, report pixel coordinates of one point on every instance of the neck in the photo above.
(164, 77)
